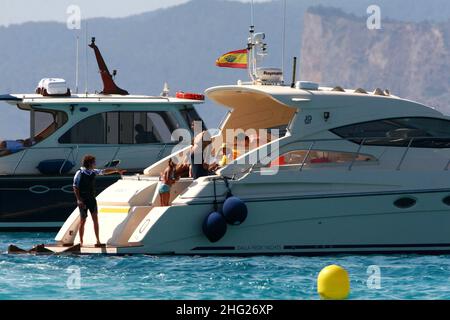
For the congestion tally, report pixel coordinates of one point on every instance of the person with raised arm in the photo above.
(84, 188)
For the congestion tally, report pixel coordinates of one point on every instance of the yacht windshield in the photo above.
(43, 123)
(415, 132)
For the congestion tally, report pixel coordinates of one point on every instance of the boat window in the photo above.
(297, 157)
(89, 131)
(46, 122)
(280, 130)
(122, 128)
(43, 123)
(112, 128)
(190, 115)
(158, 127)
(126, 128)
(399, 132)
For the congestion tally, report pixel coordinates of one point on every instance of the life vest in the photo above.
(87, 185)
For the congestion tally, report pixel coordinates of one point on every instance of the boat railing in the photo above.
(73, 153)
(74, 150)
(356, 155)
(20, 160)
(405, 153)
(406, 143)
(307, 154)
(312, 144)
(365, 142)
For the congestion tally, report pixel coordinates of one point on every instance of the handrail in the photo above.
(351, 139)
(446, 167)
(356, 155)
(65, 160)
(90, 146)
(78, 152)
(405, 153)
(114, 156)
(71, 148)
(74, 150)
(307, 155)
(363, 141)
(20, 161)
(161, 152)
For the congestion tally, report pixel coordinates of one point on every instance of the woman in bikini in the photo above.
(168, 177)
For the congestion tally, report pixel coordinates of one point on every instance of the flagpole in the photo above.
(86, 59)
(77, 63)
(284, 37)
(251, 54)
(252, 14)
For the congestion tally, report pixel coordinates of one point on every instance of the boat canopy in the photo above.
(251, 109)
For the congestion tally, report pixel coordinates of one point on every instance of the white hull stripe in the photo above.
(324, 196)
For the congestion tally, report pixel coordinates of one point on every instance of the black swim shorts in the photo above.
(89, 204)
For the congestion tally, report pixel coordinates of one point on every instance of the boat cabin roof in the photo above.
(231, 95)
(28, 99)
(266, 106)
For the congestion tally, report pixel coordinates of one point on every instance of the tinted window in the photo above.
(89, 130)
(122, 128)
(297, 157)
(45, 122)
(423, 132)
(190, 115)
(112, 128)
(126, 128)
(282, 130)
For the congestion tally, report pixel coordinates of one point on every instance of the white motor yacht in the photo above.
(352, 172)
(119, 129)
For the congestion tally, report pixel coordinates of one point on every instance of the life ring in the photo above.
(189, 95)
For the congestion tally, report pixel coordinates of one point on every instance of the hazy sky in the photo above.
(19, 11)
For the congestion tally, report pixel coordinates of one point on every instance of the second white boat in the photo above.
(353, 172)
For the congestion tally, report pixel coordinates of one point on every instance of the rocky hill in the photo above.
(411, 59)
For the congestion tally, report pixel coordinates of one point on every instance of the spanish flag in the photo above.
(233, 59)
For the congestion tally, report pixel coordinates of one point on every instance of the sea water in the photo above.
(195, 277)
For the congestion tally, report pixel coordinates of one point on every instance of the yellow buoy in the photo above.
(333, 283)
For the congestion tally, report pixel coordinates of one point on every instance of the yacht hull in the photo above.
(39, 203)
(306, 225)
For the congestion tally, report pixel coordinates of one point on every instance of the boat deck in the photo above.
(88, 249)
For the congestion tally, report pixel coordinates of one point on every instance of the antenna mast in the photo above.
(77, 64)
(256, 47)
(250, 43)
(284, 37)
(252, 13)
(86, 60)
